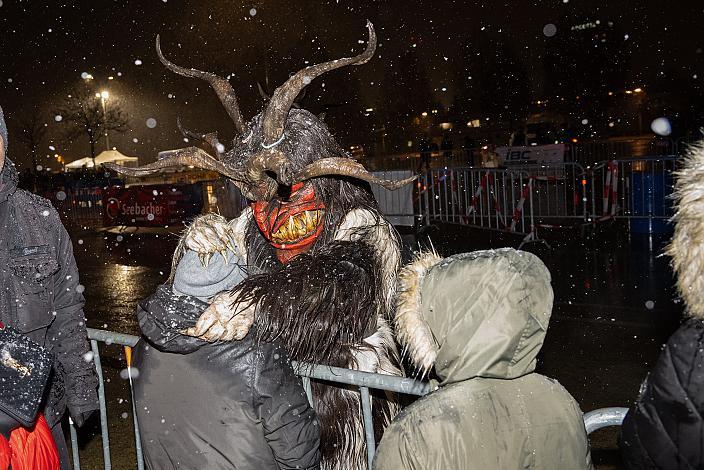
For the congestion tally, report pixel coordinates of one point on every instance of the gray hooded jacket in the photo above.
(480, 319)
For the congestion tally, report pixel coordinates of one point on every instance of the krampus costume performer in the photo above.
(322, 260)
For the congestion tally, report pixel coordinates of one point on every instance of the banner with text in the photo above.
(152, 206)
(535, 155)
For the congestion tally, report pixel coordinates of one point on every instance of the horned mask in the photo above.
(260, 161)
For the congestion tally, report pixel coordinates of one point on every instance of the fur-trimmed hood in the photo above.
(687, 246)
(479, 314)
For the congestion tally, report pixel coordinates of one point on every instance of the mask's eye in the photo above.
(285, 193)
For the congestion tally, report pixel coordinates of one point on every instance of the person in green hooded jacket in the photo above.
(479, 319)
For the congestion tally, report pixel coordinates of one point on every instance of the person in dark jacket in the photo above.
(40, 295)
(665, 428)
(216, 405)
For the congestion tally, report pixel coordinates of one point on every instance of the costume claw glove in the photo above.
(209, 234)
(223, 321)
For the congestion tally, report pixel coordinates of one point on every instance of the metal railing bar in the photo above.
(308, 389)
(368, 424)
(604, 417)
(389, 383)
(74, 445)
(103, 408)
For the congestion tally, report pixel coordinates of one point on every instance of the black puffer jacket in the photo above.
(665, 429)
(217, 406)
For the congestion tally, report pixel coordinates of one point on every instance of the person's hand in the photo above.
(209, 234)
(79, 417)
(223, 321)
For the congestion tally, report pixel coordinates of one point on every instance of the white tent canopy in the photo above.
(86, 162)
(113, 156)
(108, 156)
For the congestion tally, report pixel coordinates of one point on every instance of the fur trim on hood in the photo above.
(687, 246)
(412, 330)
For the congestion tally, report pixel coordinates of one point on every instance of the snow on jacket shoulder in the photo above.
(665, 428)
(479, 319)
(217, 406)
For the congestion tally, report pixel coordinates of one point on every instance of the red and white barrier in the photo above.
(521, 202)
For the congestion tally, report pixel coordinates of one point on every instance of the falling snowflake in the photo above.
(151, 123)
(549, 30)
(661, 126)
(137, 62)
(253, 12)
(125, 373)
(58, 118)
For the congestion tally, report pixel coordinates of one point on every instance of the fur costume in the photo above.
(322, 259)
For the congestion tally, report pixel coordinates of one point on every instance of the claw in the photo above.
(223, 253)
(204, 259)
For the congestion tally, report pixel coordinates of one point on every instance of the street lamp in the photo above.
(104, 95)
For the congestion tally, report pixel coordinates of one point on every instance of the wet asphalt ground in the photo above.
(615, 306)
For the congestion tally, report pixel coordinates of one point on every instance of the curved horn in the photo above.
(210, 138)
(347, 167)
(189, 156)
(221, 86)
(265, 96)
(277, 110)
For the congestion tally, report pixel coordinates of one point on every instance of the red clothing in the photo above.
(30, 449)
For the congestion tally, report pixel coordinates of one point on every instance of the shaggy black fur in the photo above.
(319, 305)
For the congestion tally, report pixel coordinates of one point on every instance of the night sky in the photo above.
(45, 46)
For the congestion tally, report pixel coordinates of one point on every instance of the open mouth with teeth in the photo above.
(293, 222)
(298, 229)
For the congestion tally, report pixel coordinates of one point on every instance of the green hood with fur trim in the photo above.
(480, 314)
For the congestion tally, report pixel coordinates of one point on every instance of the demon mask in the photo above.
(275, 158)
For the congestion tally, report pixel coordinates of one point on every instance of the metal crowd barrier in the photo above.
(523, 199)
(633, 189)
(498, 199)
(594, 420)
(397, 206)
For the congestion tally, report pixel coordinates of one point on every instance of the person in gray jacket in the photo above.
(40, 295)
(479, 320)
(216, 405)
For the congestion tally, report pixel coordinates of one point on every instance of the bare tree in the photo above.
(33, 130)
(83, 113)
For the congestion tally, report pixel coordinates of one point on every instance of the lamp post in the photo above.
(104, 95)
